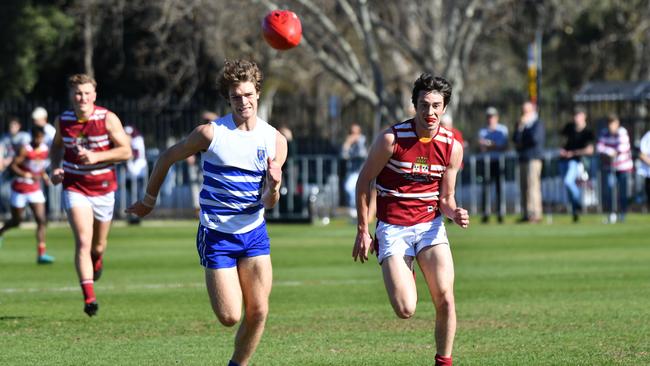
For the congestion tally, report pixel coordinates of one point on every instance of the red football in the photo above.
(282, 29)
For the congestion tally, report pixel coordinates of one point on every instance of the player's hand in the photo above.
(461, 217)
(139, 209)
(273, 175)
(57, 176)
(362, 245)
(87, 157)
(46, 179)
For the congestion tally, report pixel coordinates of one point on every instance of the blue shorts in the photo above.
(222, 250)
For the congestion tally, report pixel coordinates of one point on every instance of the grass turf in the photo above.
(549, 294)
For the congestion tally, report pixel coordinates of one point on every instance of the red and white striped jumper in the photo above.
(91, 134)
(34, 163)
(408, 187)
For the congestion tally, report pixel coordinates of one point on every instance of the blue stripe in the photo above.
(230, 170)
(232, 186)
(228, 198)
(214, 210)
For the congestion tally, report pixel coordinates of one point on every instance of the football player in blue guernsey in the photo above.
(242, 158)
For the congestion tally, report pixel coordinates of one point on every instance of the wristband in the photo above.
(149, 200)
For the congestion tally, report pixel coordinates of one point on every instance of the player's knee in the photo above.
(13, 222)
(405, 311)
(257, 315)
(445, 302)
(228, 320)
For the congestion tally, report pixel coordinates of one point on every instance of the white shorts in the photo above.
(102, 205)
(20, 200)
(409, 240)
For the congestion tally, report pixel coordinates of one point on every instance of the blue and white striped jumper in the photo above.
(234, 170)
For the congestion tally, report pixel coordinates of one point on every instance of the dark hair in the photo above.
(428, 82)
(579, 109)
(37, 130)
(236, 72)
(612, 117)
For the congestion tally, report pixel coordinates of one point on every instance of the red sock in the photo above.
(443, 361)
(97, 262)
(87, 287)
(41, 249)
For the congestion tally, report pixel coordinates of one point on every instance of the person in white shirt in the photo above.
(643, 168)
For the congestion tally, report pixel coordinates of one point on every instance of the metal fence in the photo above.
(312, 189)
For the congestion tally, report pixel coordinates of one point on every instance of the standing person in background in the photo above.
(92, 140)
(39, 118)
(354, 152)
(644, 165)
(29, 169)
(579, 143)
(136, 169)
(492, 143)
(242, 163)
(529, 138)
(616, 165)
(448, 122)
(14, 139)
(415, 164)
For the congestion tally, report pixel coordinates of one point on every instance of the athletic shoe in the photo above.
(98, 268)
(91, 308)
(45, 259)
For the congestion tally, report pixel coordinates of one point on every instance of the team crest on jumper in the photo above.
(261, 153)
(81, 141)
(420, 171)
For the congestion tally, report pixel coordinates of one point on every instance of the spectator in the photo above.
(644, 165)
(579, 143)
(39, 118)
(529, 139)
(136, 169)
(448, 122)
(492, 142)
(616, 165)
(354, 151)
(13, 140)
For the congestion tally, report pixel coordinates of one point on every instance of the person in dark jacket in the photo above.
(528, 137)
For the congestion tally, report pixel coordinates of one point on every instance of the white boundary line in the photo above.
(158, 286)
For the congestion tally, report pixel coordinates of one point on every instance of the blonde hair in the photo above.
(78, 79)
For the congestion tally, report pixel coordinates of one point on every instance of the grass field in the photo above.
(549, 294)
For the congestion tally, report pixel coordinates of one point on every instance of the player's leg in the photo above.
(38, 209)
(396, 258)
(255, 276)
(81, 220)
(18, 201)
(225, 294)
(14, 220)
(99, 244)
(437, 267)
(103, 217)
(400, 284)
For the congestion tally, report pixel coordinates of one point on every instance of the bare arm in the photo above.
(15, 164)
(121, 150)
(380, 152)
(271, 194)
(447, 197)
(198, 140)
(56, 154)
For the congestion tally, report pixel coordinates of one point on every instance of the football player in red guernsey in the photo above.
(413, 165)
(29, 169)
(92, 141)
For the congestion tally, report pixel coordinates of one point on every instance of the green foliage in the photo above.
(558, 294)
(31, 35)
